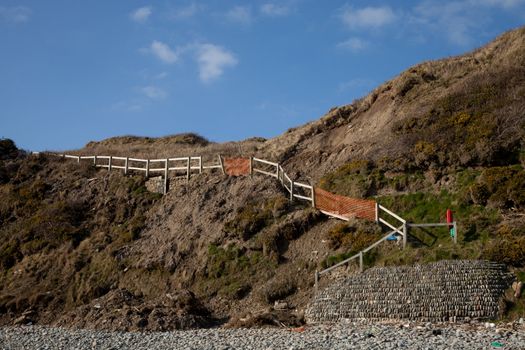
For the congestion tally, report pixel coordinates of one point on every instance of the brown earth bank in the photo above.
(89, 248)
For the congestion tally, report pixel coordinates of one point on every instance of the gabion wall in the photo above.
(443, 291)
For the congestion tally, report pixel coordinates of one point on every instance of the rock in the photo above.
(280, 305)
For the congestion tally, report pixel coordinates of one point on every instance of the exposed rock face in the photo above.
(442, 291)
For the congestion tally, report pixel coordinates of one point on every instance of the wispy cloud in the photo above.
(141, 15)
(356, 84)
(125, 106)
(457, 20)
(163, 52)
(240, 14)
(353, 44)
(273, 10)
(17, 14)
(213, 60)
(367, 17)
(154, 92)
(506, 4)
(186, 11)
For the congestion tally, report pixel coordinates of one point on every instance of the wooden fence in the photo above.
(337, 206)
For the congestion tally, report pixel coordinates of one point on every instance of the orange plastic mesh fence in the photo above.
(345, 206)
(237, 166)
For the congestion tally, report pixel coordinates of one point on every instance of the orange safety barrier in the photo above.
(237, 166)
(345, 206)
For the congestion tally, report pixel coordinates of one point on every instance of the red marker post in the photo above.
(450, 222)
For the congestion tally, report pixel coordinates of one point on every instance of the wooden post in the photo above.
(188, 169)
(361, 261)
(147, 168)
(313, 196)
(95, 161)
(126, 166)
(377, 212)
(109, 164)
(291, 190)
(251, 166)
(200, 164)
(78, 159)
(277, 171)
(222, 165)
(405, 233)
(166, 176)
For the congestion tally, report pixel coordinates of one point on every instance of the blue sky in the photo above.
(73, 71)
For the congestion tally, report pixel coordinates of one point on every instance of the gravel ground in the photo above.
(334, 336)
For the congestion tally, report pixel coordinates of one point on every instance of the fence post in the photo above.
(313, 196)
(126, 166)
(377, 212)
(78, 159)
(361, 261)
(110, 160)
(316, 279)
(147, 168)
(405, 233)
(166, 176)
(222, 165)
(188, 169)
(277, 171)
(200, 164)
(291, 190)
(251, 166)
(95, 161)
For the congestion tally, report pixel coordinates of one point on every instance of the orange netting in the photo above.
(237, 166)
(345, 206)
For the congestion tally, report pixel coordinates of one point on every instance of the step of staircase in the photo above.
(442, 291)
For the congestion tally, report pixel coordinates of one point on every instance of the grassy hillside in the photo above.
(84, 247)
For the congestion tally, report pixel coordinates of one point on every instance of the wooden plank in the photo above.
(179, 159)
(302, 197)
(137, 160)
(392, 214)
(339, 264)
(157, 160)
(176, 168)
(265, 162)
(264, 172)
(337, 216)
(379, 241)
(302, 185)
(118, 167)
(381, 220)
(103, 157)
(87, 157)
(135, 168)
(429, 225)
(211, 166)
(120, 158)
(156, 169)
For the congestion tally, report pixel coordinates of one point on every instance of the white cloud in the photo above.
(153, 92)
(141, 15)
(368, 17)
(186, 12)
(163, 52)
(456, 20)
(353, 44)
(356, 84)
(161, 75)
(18, 14)
(240, 14)
(506, 4)
(213, 60)
(274, 10)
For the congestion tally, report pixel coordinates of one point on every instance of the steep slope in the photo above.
(85, 247)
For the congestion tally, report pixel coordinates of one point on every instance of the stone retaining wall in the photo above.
(443, 291)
